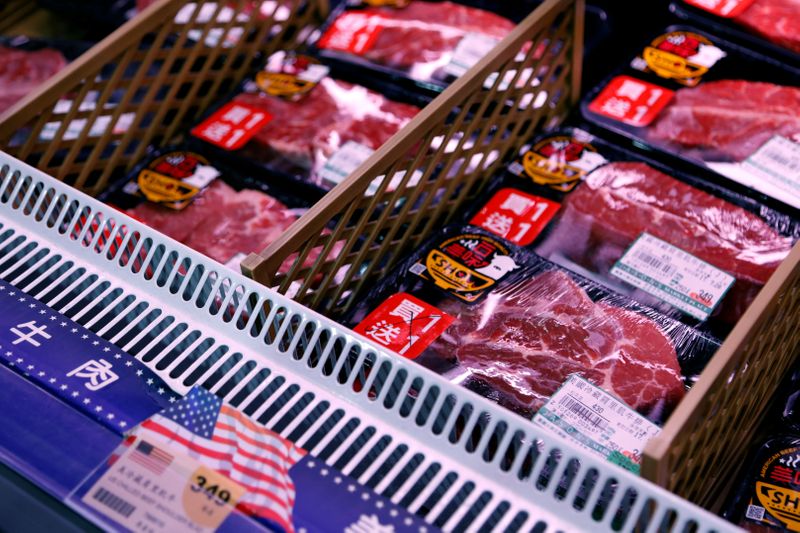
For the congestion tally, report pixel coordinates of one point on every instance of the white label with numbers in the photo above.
(597, 421)
(342, 163)
(777, 165)
(469, 50)
(674, 276)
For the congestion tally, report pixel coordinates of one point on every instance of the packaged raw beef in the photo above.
(428, 41)
(297, 119)
(205, 205)
(669, 239)
(513, 327)
(25, 64)
(713, 103)
(771, 26)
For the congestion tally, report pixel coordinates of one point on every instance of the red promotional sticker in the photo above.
(405, 325)
(516, 216)
(232, 125)
(634, 102)
(722, 8)
(354, 32)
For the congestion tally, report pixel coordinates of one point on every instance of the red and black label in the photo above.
(173, 179)
(466, 266)
(775, 491)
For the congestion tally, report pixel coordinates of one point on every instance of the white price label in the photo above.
(776, 165)
(342, 163)
(148, 488)
(674, 276)
(597, 421)
(469, 50)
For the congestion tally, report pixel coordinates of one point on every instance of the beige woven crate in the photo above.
(152, 78)
(144, 83)
(12, 12)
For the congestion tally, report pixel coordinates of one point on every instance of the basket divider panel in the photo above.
(431, 169)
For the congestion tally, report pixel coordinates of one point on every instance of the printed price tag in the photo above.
(404, 324)
(148, 488)
(344, 161)
(232, 126)
(516, 216)
(634, 102)
(469, 50)
(354, 32)
(598, 422)
(722, 8)
(777, 164)
(676, 277)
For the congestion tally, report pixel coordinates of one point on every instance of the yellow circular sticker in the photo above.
(209, 497)
(682, 56)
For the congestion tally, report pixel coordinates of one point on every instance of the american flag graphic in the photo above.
(151, 458)
(224, 439)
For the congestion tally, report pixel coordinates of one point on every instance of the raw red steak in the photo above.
(420, 38)
(307, 132)
(221, 222)
(524, 341)
(776, 20)
(620, 201)
(729, 119)
(22, 71)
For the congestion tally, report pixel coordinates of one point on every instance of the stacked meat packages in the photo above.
(592, 280)
(297, 127)
(710, 102)
(591, 283)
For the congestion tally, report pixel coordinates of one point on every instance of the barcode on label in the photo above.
(574, 406)
(754, 512)
(114, 502)
(666, 268)
(781, 158)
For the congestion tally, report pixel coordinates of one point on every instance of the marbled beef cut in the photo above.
(776, 20)
(620, 201)
(729, 119)
(22, 71)
(523, 341)
(221, 222)
(308, 131)
(421, 37)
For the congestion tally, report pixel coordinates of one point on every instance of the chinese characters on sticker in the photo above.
(516, 216)
(631, 101)
(405, 325)
(232, 126)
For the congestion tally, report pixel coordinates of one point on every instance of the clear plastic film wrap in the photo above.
(728, 120)
(426, 41)
(620, 201)
(710, 102)
(669, 239)
(514, 327)
(204, 204)
(315, 126)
